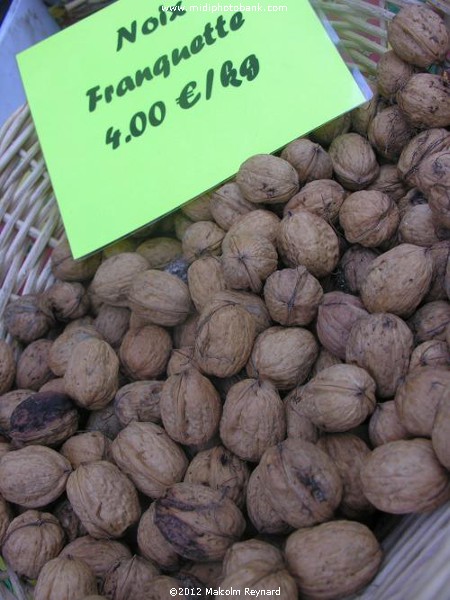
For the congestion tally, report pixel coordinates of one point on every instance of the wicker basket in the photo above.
(417, 548)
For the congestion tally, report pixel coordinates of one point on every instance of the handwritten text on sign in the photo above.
(142, 107)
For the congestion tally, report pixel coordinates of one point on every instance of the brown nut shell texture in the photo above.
(405, 476)
(92, 374)
(115, 275)
(198, 522)
(267, 179)
(65, 578)
(190, 407)
(260, 511)
(304, 483)
(7, 367)
(43, 476)
(99, 555)
(144, 353)
(130, 578)
(89, 446)
(104, 499)
(153, 545)
(150, 458)
(333, 560)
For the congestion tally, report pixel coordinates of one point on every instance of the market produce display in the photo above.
(229, 398)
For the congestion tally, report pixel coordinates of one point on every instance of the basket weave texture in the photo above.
(417, 548)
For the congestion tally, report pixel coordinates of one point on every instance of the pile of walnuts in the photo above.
(228, 398)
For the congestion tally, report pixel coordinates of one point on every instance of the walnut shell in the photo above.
(65, 578)
(113, 279)
(202, 238)
(306, 239)
(247, 261)
(326, 133)
(144, 353)
(86, 447)
(152, 544)
(190, 407)
(199, 523)
(198, 209)
(440, 434)
(159, 297)
(43, 472)
(138, 401)
(430, 321)
(180, 360)
(221, 470)
(337, 314)
(389, 182)
(5, 518)
(440, 254)
(267, 179)
(398, 280)
(68, 520)
(389, 131)
(261, 223)
(66, 268)
(348, 451)
(103, 498)
(381, 344)
(184, 335)
(434, 353)
(417, 226)
(253, 419)
(99, 555)
(292, 296)
(305, 486)
(228, 205)
(419, 36)
(369, 218)
(252, 303)
(355, 265)
(181, 222)
(339, 398)
(205, 278)
(261, 513)
(46, 418)
(8, 403)
(124, 245)
(418, 397)
(130, 578)
(161, 587)
(159, 251)
(65, 301)
(356, 557)
(310, 160)
(298, 424)
(145, 453)
(354, 161)
(322, 197)
(224, 340)
(425, 100)
(385, 426)
(92, 374)
(405, 476)
(283, 355)
(24, 319)
(112, 322)
(392, 74)
(32, 539)
(422, 147)
(62, 348)
(7, 367)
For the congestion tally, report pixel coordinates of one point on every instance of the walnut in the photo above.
(434, 353)
(253, 419)
(393, 74)
(160, 251)
(339, 398)
(308, 553)
(198, 209)
(385, 426)
(103, 498)
(430, 321)
(99, 555)
(325, 134)
(5, 518)
(86, 447)
(440, 254)
(221, 470)
(144, 353)
(425, 100)
(398, 280)
(440, 433)
(62, 348)
(298, 424)
(381, 344)
(112, 322)
(202, 238)
(251, 303)
(66, 268)
(66, 578)
(389, 182)
(92, 374)
(24, 319)
(362, 116)
(306, 239)
(405, 476)
(149, 457)
(261, 223)
(43, 473)
(33, 365)
(417, 226)
(205, 278)
(138, 401)
(310, 160)
(228, 205)
(130, 578)
(105, 421)
(32, 539)
(283, 355)
(153, 545)
(355, 265)
(422, 147)
(198, 522)
(323, 197)
(68, 520)
(8, 402)
(389, 131)
(261, 513)
(7, 367)
(354, 161)
(113, 279)
(267, 179)
(65, 301)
